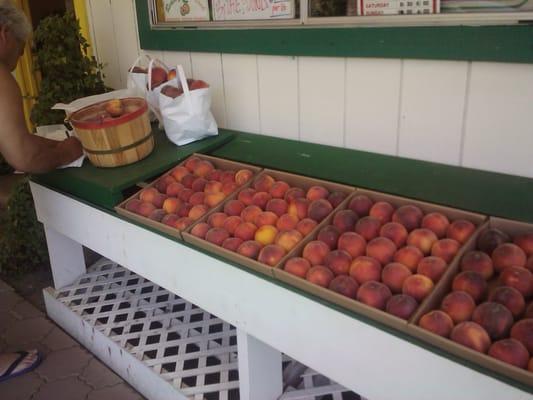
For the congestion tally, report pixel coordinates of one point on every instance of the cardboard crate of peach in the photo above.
(183, 195)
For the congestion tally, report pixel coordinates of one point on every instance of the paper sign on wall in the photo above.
(225, 10)
(184, 10)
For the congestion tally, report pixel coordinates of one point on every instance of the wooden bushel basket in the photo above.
(113, 142)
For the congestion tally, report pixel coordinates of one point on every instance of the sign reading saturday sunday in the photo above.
(226, 10)
(185, 10)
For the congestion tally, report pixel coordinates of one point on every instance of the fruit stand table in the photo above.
(270, 317)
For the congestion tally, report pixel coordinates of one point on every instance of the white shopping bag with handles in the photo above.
(188, 117)
(152, 94)
(138, 76)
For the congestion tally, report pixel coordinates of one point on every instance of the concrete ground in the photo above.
(68, 370)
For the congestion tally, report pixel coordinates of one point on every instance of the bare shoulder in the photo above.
(9, 89)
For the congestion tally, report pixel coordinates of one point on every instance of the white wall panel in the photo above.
(278, 96)
(432, 110)
(208, 67)
(173, 58)
(241, 92)
(372, 104)
(322, 90)
(499, 125)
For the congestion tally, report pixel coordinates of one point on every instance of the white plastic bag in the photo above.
(137, 81)
(188, 117)
(152, 94)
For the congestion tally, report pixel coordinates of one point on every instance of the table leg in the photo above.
(260, 370)
(66, 258)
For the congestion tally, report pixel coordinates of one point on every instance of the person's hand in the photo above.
(72, 149)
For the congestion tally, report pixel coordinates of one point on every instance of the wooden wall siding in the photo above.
(473, 114)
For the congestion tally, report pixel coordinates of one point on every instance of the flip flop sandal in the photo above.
(23, 354)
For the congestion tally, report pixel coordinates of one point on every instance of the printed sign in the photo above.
(227, 10)
(392, 7)
(184, 10)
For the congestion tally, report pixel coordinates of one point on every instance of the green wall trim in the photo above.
(510, 43)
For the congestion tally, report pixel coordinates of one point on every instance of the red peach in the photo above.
(148, 195)
(495, 318)
(185, 194)
(198, 211)
(374, 294)
(460, 230)
(298, 207)
(382, 211)
(214, 175)
(197, 198)
(319, 209)
(250, 249)
(246, 196)
(242, 176)
(510, 298)
(364, 269)
(294, 193)
(277, 206)
(133, 205)
(170, 219)
(353, 243)
(202, 168)
(297, 266)
(286, 222)
(320, 275)
(529, 311)
(266, 234)
(409, 216)
(418, 286)
(479, 262)
(338, 261)
(336, 198)
(508, 255)
(395, 232)
(306, 225)
(183, 223)
(393, 275)
(525, 242)
(145, 209)
(423, 239)
(345, 286)
(157, 215)
(232, 243)
(401, 306)
(288, 239)
(163, 183)
(198, 184)
(382, 249)
(315, 252)
(445, 249)
(361, 205)
(184, 210)
(459, 306)
(529, 263)
(234, 207)
(330, 236)
(437, 223)
(216, 235)
(491, 238)
(212, 199)
(200, 230)
(231, 223)
(266, 218)
(523, 332)
(271, 254)
(510, 351)
(187, 181)
(432, 267)
(472, 283)
(368, 227)
(213, 187)
(437, 322)
(278, 189)
(191, 163)
(519, 278)
(216, 220)
(179, 172)
(245, 231)
(317, 192)
(263, 183)
(250, 213)
(471, 335)
(227, 177)
(260, 199)
(409, 256)
(229, 187)
(345, 220)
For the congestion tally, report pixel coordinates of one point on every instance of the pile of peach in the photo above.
(187, 192)
(486, 310)
(269, 219)
(385, 257)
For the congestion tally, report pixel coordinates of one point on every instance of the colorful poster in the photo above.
(184, 10)
(486, 5)
(232, 10)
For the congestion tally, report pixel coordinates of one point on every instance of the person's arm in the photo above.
(22, 150)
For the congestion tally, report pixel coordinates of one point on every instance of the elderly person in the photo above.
(22, 150)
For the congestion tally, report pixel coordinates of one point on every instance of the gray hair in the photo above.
(15, 20)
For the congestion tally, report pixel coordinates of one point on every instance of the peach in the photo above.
(271, 254)
(278, 189)
(417, 286)
(212, 199)
(229, 187)
(249, 248)
(170, 219)
(266, 234)
(216, 220)
(523, 332)
(157, 215)
(409, 216)
(330, 235)
(374, 294)
(245, 231)
(409, 256)
(345, 220)
(250, 213)
(529, 311)
(260, 199)
(163, 183)
(234, 207)
(183, 211)
(395, 232)
(495, 318)
(315, 252)
(133, 205)
(437, 223)
(510, 351)
(353, 243)
(214, 175)
(382, 211)
(202, 168)
(529, 263)
(179, 172)
(364, 269)
(232, 243)
(297, 266)
(286, 222)
(298, 207)
(277, 206)
(198, 184)
(266, 218)
(288, 239)
(174, 189)
(525, 242)
(471, 335)
(472, 283)
(460, 230)
(227, 177)
(401, 306)
(200, 230)
(242, 176)
(445, 249)
(479, 262)
(183, 223)
(145, 208)
(263, 183)
(319, 209)
(361, 205)
(216, 235)
(510, 298)
(423, 239)
(491, 238)
(246, 196)
(185, 194)
(213, 187)
(459, 306)
(294, 193)
(188, 180)
(393, 275)
(382, 249)
(197, 198)
(519, 278)
(192, 162)
(368, 227)
(508, 255)
(320, 275)
(437, 322)
(344, 285)
(148, 194)
(317, 192)
(306, 225)
(432, 267)
(198, 211)
(231, 223)
(336, 198)
(338, 261)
